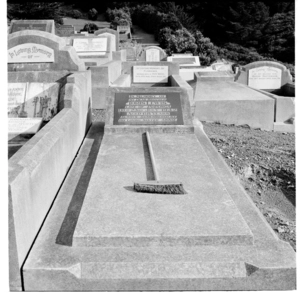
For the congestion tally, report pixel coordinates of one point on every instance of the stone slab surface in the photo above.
(232, 103)
(53, 265)
(115, 215)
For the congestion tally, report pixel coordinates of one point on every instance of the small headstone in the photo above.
(150, 74)
(41, 25)
(147, 109)
(113, 40)
(109, 32)
(30, 53)
(130, 54)
(152, 55)
(265, 78)
(24, 125)
(124, 32)
(65, 30)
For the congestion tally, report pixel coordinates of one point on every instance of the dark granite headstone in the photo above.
(20, 27)
(65, 30)
(147, 109)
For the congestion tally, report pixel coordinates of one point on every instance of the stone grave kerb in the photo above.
(162, 53)
(243, 76)
(65, 57)
(49, 25)
(110, 31)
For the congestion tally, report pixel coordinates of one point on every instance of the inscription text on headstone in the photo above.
(148, 109)
(265, 78)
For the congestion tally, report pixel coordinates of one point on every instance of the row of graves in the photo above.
(142, 201)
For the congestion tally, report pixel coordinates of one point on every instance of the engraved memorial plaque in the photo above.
(24, 125)
(150, 74)
(30, 53)
(265, 78)
(90, 44)
(29, 26)
(147, 109)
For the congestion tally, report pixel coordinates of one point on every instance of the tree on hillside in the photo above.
(36, 11)
(279, 37)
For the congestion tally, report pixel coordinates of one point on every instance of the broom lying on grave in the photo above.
(157, 186)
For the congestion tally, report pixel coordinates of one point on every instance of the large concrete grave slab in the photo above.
(88, 241)
(185, 61)
(227, 102)
(40, 25)
(114, 215)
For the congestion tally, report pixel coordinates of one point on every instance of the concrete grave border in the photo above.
(38, 169)
(50, 25)
(65, 57)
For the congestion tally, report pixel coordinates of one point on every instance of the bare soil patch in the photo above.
(264, 162)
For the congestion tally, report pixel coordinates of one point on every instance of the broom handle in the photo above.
(152, 157)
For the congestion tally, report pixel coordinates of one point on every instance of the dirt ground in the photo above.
(264, 162)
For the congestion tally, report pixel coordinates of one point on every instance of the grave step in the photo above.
(163, 270)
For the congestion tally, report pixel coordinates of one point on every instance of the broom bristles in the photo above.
(159, 188)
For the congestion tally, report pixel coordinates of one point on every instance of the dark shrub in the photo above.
(93, 14)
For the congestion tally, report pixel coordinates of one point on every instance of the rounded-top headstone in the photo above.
(153, 54)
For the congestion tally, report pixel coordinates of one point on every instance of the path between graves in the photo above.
(264, 162)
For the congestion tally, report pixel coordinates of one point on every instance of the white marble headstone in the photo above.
(265, 78)
(96, 46)
(152, 55)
